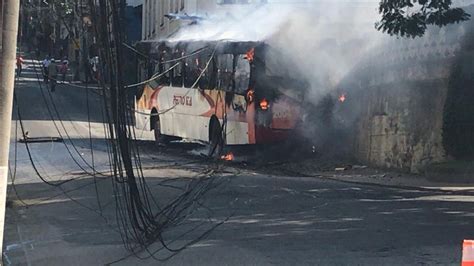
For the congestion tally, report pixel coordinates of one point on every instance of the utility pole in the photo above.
(10, 16)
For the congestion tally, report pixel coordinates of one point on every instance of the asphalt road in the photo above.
(269, 220)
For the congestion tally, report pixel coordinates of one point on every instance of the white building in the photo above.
(156, 25)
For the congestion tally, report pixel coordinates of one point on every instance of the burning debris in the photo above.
(228, 157)
(264, 105)
(250, 55)
(342, 98)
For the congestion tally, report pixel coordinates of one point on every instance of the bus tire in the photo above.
(160, 139)
(216, 142)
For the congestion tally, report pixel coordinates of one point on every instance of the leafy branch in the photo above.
(410, 18)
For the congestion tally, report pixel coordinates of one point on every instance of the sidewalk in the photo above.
(399, 180)
(361, 174)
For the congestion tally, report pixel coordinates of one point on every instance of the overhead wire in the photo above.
(141, 219)
(135, 213)
(60, 121)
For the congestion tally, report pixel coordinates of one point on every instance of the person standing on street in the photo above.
(63, 68)
(46, 62)
(94, 63)
(53, 74)
(19, 65)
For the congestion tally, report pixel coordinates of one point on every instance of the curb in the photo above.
(404, 187)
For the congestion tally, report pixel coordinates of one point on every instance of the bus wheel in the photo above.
(216, 143)
(160, 139)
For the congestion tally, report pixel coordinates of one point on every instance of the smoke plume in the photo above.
(320, 43)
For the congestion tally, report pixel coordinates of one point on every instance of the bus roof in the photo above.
(221, 46)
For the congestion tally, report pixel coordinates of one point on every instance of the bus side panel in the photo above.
(286, 113)
(266, 135)
(240, 122)
(181, 109)
(143, 108)
(278, 122)
(187, 126)
(237, 133)
(165, 111)
(142, 120)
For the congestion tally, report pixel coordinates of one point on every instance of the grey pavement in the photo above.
(270, 220)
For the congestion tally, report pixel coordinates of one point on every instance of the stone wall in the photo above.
(399, 94)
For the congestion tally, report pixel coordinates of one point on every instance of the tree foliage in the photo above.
(410, 18)
(65, 7)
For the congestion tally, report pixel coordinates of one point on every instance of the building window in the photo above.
(182, 5)
(162, 13)
(145, 20)
(153, 21)
(150, 17)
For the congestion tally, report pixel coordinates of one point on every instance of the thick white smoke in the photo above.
(327, 41)
(322, 42)
(241, 23)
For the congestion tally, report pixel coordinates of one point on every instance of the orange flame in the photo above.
(264, 104)
(250, 55)
(228, 157)
(342, 98)
(250, 95)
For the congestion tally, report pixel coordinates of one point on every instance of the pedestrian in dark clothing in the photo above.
(19, 65)
(63, 68)
(46, 62)
(53, 74)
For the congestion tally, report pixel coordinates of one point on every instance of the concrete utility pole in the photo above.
(10, 15)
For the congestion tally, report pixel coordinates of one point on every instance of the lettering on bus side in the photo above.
(182, 100)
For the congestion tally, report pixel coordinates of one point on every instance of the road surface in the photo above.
(269, 220)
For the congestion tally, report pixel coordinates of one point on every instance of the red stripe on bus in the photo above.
(153, 102)
(250, 116)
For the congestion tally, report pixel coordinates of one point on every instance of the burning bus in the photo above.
(222, 93)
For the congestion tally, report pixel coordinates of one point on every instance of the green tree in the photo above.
(410, 18)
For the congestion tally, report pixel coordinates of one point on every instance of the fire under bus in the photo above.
(222, 93)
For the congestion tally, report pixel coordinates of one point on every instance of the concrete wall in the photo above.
(399, 94)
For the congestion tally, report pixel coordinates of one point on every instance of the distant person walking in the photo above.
(53, 74)
(46, 62)
(63, 68)
(19, 65)
(94, 65)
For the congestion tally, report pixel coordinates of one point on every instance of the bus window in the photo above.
(212, 73)
(156, 68)
(242, 74)
(201, 64)
(225, 72)
(192, 71)
(178, 70)
(167, 75)
(166, 66)
(208, 79)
